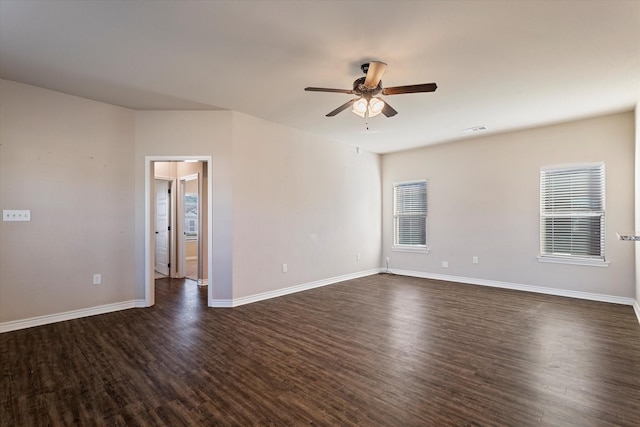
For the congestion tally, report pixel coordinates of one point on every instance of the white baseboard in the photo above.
(222, 303)
(69, 315)
(227, 303)
(518, 287)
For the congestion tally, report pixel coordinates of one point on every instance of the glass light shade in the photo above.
(369, 108)
(375, 107)
(360, 107)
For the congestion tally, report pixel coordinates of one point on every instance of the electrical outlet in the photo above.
(97, 279)
(387, 260)
(285, 268)
(445, 264)
(357, 257)
(475, 259)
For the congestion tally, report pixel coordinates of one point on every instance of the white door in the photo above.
(163, 204)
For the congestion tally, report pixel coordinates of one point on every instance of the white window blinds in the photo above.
(410, 214)
(572, 212)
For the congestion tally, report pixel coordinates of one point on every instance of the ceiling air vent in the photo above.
(475, 129)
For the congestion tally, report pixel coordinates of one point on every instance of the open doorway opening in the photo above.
(178, 202)
(189, 255)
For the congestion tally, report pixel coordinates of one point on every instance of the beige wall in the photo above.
(483, 197)
(76, 162)
(189, 133)
(317, 230)
(280, 196)
(70, 161)
(191, 249)
(302, 201)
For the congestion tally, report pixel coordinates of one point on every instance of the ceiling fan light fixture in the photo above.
(366, 104)
(375, 107)
(368, 108)
(360, 107)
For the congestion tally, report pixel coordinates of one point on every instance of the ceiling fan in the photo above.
(368, 104)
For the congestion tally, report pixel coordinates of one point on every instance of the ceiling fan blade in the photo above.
(324, 89)
(374, 73)
(342, 107)
(397, 90)
(388, 110)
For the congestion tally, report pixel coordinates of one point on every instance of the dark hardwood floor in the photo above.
(377, 351)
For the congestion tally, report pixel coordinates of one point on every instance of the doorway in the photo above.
(191, 178)
(189, 254)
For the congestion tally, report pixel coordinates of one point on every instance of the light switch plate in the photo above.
(16, 215)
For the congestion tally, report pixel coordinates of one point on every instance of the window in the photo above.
(410, 215)
(572, 214)
(191, 215)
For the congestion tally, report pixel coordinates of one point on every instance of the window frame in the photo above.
(569, 258)
(396, 219)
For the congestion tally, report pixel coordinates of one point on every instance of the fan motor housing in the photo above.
(360, 89)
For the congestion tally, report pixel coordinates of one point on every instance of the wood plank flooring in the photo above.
(377, 351)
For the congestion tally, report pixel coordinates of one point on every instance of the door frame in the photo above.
(149, 244)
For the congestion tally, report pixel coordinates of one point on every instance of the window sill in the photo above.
(422, 250)
(573, 261)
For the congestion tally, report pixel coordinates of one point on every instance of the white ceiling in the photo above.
(502, 64)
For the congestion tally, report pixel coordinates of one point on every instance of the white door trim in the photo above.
(149, 290)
